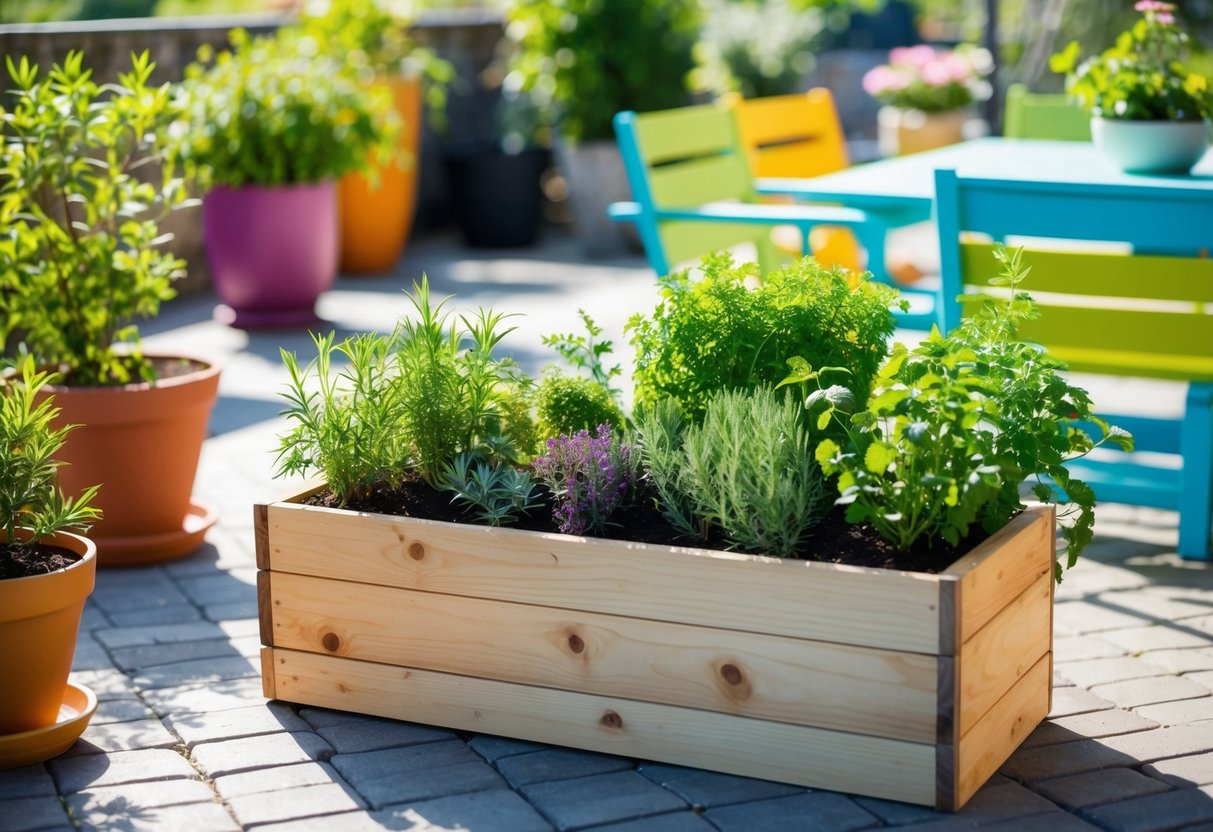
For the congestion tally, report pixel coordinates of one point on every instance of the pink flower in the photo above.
(1165, 18)
(937, 74)
(920, 56)
(882, 79)
(959, 68)
(1154, 6)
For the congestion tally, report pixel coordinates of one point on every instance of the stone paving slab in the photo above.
(184, 740)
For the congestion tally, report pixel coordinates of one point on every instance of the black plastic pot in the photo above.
(497, 195)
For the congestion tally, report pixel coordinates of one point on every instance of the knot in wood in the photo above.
(731, 674)
(612, 720)
(576, 643)
(416, 551)
(331, 642)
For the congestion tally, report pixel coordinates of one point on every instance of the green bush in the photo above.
(585, 60)
(83, 185)
(747, 469)
(566, 404)
(279, 111)
(716, 333)
(956, 426)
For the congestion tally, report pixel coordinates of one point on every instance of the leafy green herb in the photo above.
(83, 184)
(957, 424)
(29, 496)
(717, 333)
(585, 352)
(567, 404)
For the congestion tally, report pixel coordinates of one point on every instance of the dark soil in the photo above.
(162, 368)
(831, 541)
(36, 559)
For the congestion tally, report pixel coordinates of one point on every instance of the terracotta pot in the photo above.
(375, 220)
(142, 443)
(39, 619)
(272, 251)
(902, 132)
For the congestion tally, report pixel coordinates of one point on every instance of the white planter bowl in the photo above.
(1151, 146)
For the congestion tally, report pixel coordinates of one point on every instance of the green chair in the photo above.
(1039, 116)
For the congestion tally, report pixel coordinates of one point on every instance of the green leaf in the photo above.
(879, 456)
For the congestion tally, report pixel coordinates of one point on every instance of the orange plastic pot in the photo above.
(142, 443)
(376, 219)
(39, 620)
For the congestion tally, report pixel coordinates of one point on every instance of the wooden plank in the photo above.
(1000, 653)
(1003, 566)
(261, 535)
(265, 611)
(827, 602)
(269, 687)
(685, 133)
(997, 734)
(893, 769)
(693, 183)
(860, 689)
(687, 242)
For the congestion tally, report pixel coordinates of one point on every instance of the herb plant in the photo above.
(346, 423)
(374, 36)
(582, 61)
(586, 352)
(716, 333)
(497, 491)
(590, 477)
(566, 404)
(83, 183)
(1143, 76)
(29, 496)
(748, 469)
(276, 110)
(957, 424)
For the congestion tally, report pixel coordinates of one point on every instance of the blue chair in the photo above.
(693, 193)
(1140, 315)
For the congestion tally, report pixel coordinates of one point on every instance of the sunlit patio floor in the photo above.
(184, 740)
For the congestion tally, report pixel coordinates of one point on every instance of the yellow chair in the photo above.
(798, 136)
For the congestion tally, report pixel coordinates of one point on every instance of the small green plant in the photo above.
(84, 183)
(716, 333)
(374, 36)
(345, 422)
(455, 399)
(747, 469)
(1143, 76)
(276, 110)
(566, 404)
(497, 491)
(586, 352)
(29, 496)
(957, 424)
(582, 61)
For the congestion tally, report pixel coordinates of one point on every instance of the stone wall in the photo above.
(468, 38)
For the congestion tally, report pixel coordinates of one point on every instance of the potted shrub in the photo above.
(1149, 113)
(80, 261)
(586, 60)
(269, 126)
(377, 207)
(907, 685)
(927, 95)
(46, 573)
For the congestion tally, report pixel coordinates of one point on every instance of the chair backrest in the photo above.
(791, 135)
(1142, 314)
(1044, 116)
(685, 158)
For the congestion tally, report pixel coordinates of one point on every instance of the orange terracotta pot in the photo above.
(39, 620)
(375, 220)
(142, 443)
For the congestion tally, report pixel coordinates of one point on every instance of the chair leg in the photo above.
(1196, 480)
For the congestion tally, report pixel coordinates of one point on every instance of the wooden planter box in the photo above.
(899, 685)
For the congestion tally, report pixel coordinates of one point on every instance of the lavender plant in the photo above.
(590, 477)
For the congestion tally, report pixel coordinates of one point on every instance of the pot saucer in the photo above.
(298, 318)
(142, 550)
(40, 744)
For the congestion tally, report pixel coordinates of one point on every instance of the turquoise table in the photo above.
(906, 184)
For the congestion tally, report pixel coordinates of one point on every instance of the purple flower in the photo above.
(588, 477)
